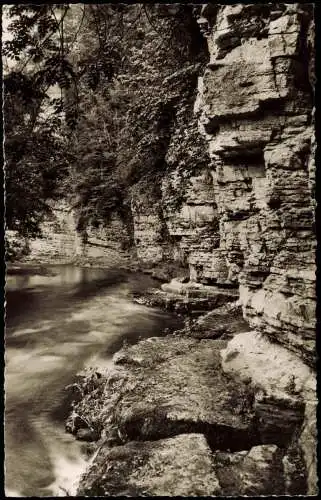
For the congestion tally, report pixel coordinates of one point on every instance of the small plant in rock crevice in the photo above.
(290, 387)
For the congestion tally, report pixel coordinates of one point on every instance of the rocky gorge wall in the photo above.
(235, 203)
(61, 239)
(243, 219)
(246, 217)
(236, 198)
(259, 128)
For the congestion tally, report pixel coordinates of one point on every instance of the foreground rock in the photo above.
(183, 466)
(253, 421)
(285, 397)
(176, 385)
(180, 466)
(250, 473)
(165, 386)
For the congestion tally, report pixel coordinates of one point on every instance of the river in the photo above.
(56, 324)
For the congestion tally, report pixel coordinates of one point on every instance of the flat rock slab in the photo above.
(183, 466)
(223, 321)
(176, 385)
(179, 466)
(190, 302)
(192, 289)
(155, 350)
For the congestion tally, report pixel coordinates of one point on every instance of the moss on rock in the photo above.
(177, 466)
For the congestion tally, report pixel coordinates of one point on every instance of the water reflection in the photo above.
(61, 276)
(54, 325)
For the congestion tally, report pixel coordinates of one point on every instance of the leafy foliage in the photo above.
(15, 246)
(34, 160)
(125, 74)
(127, 123)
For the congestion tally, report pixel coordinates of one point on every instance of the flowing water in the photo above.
(56, 324)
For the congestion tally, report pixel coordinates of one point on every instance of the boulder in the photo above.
(222, 322)
(175, 385)
(285, 400)
(178, 466)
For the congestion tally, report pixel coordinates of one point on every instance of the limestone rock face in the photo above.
(243, 215)
(61, 240)
(255, 110)
(149, 229)
(194, 223)
(106, 236)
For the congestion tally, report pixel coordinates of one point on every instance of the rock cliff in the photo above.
(231, 191)
(62, 241)
(255, 109)
(244, 217)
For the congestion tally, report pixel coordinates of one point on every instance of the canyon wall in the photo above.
(230, 196)
(59, 239)
(62, 241)
(255, 109)
(244, 217)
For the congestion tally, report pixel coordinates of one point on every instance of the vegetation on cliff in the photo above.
(102, 99)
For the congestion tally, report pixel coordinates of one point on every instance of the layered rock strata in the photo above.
(244, 216)
(149, 229)
(61, 239)
(193, 225)
(255, 110)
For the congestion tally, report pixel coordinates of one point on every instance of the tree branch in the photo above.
(150, 21)
(46, 38)
(78, 29)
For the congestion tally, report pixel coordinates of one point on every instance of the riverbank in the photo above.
(198, 395)
(162, 271)
(190, 414)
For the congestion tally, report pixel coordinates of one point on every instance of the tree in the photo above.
(34, 155)
(39, 124)
(118, 108)
(34, 141)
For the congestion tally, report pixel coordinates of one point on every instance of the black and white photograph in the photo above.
(160, 249)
